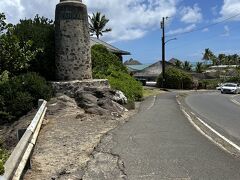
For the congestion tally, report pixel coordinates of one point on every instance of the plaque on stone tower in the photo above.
(72, 39)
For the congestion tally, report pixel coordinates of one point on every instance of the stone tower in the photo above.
(72, 39)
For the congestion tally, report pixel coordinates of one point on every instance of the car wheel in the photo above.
(222, 92)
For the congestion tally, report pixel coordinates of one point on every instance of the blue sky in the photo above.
(136, 25)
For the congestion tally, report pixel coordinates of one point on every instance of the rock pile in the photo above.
(94, 100)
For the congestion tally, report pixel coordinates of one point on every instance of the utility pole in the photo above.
(163, 50)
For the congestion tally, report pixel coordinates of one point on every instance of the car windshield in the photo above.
(230, 85)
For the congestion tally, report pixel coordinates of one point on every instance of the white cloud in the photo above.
(226, 31)
(230, 8)
(191, 14)
(214, 10)
(129, 19)
(182, 30)
(205, 30)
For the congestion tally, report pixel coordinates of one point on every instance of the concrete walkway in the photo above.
(160, 143)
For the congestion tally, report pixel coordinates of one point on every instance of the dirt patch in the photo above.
(8, 132)
(67, 139)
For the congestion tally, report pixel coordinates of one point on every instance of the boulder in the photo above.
(119, 97)
(85, 99)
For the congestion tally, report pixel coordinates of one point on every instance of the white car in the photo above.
(219, 86)
(230, 88)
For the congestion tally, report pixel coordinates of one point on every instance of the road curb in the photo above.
(205, 129)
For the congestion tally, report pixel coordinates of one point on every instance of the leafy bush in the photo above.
(107, 65)
(3, 158)
(175, 79)
(20, 94)
(103, 60)
(40, 31)
(209, 83)
(131, 88)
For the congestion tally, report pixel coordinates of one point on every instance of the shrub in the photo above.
(40, 31)
(175, 79)
(103, 60)
(20, 94)
(125, 83)
(107, 65)
(3, 158)
(35, 85)
(209, 83)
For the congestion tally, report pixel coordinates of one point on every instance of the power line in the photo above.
(203, 27)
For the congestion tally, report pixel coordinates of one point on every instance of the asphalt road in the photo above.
(237, 98)
(160, 143)
(218, 110)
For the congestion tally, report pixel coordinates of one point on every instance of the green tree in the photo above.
(178, 64)
(187, 66)
(209, 56)
(175, 79)
(199, 67)
(97, 24)
(40, 31)
(222, 58)
(3, 24)
(235, 58)
(15, 56)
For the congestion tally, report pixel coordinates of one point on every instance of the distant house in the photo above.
(111, 48)
(173, 61)
(149, 72)
(132, 62)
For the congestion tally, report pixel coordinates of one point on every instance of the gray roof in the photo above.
(111, 48)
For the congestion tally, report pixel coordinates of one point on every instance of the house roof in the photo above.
(137, 67)
(111, 48)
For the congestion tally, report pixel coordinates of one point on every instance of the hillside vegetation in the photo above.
(107, 65)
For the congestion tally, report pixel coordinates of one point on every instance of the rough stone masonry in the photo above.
(73, 56)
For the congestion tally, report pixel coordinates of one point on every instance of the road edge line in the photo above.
(202, 132)
(198, 128)
(153, 102)
(235, 101)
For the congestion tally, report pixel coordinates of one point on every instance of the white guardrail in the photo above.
(18, 159)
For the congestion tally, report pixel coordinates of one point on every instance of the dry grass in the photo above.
(151, 92)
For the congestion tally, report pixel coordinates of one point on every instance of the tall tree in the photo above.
(187, 66)
(235, 59)
(97, 24)
(178, 64)
(222, 58)
(199, 67)
(15, 56)
(40, 31)
(208, 55)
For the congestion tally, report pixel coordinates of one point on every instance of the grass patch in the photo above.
(151, 92)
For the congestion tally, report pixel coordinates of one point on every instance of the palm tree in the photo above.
(187, 66)
(199, 67)
(97, 24)
(235, 59)
(208, 55)
(178, 64)
(222, 58)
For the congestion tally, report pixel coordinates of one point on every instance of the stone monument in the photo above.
(72, 39)
(72, 46)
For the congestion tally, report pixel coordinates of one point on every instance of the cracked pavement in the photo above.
(159, 143)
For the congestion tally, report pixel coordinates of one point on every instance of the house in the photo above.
(148, 72)
(114, 50)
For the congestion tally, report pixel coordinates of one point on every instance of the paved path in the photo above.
(160, 143)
